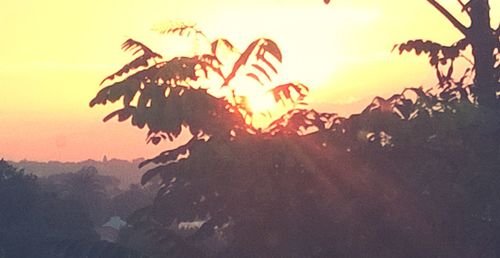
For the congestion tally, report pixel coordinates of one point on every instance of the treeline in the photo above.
(126, 171)
(62, 215)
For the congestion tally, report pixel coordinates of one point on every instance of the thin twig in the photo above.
(467, 59)
(465, 7)
(450, 17)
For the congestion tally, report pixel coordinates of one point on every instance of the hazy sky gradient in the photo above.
(54, 53)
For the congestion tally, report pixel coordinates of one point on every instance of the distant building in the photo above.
(111, 229)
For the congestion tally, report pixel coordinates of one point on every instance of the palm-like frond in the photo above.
(160, 95)
(285, 91)
(141, 61)
(215, 45)
(259, 48)
(170, 155)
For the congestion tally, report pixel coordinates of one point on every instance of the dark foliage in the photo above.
(29, 216)
(485, 47)
(134, 198)
(169, 99)
(51, 219)
(87, 188)
(413, 175)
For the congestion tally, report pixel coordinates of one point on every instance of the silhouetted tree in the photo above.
(168, 100)
(86, 187)
(171, 94)
(408, 169)
(484, 41)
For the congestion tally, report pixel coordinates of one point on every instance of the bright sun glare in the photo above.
(261, 102)
(260, 105)
(265, 110)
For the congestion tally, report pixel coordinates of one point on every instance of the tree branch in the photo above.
(450, 17)
(465, 7)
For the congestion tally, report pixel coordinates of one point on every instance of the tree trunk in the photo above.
(483, 43)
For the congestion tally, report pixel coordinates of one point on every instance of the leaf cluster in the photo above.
(164, 96)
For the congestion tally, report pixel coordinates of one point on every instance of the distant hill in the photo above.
(127, 172)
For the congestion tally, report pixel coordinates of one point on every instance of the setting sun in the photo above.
(265, 109)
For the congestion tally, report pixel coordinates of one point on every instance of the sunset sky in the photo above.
(54, 53)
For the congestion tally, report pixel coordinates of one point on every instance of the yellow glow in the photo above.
(261, 103)
(264, 109)
(54, 54)
(257, 100)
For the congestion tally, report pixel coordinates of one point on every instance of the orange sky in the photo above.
(54, 53)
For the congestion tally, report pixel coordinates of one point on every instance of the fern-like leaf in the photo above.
(260, 48)
(141, 61)
(284, 91)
